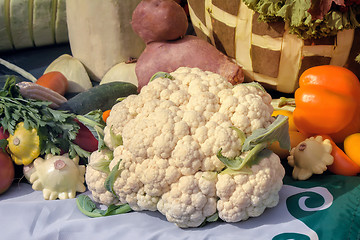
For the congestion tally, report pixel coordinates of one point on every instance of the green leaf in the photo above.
(75, 149)
(257, 142)
(102, 165)
(109, 181)
(10, 89)
(3, 144)
(277, 131)
(56, 129)
(90, 209)
(242, 165)
(161, 75)
(117, 209)
(256, 85)
(239, 162)
(229, 171)
(357, 59)
(213, 218)
(116, 140)
(85, 204)
(241, 134)
(209, 219)
(120, 99)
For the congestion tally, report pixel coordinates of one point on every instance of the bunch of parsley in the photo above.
(56, 129)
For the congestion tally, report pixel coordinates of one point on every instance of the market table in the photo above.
(323, 207)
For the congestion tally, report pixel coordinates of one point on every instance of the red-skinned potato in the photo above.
(190, 51)
(7, 171)
(159, 20)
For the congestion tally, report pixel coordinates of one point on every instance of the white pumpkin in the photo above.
(100, 33)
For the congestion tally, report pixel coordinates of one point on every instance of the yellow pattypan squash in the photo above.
(24, 145)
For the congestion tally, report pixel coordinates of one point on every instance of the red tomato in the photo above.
(7, 171)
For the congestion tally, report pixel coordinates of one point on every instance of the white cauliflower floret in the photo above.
(127, 184)
(156, 174)
(244, 105)
(171, 133)
(126, 112)
(247, 195)
(95, 178)
(190, 200)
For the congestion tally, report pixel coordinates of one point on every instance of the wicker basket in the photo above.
(268, 53)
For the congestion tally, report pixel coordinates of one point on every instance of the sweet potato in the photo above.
(159, 20)
(190, 51)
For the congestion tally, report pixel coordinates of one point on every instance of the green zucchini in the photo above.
(99, 97)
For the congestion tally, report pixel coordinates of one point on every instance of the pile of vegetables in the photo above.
(181, 135)
(34, 133)
(162, 24)
(191, 146)
(42, 129)
(326, 113)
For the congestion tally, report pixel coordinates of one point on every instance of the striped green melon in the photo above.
(32, 23)
(267, 52)
(61, 32)
(20, 23)
(5, 35)
(44, 22)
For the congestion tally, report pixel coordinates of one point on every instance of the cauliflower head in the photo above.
(170, 135)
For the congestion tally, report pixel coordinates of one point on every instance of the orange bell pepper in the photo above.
(342, 164)
(328, 102)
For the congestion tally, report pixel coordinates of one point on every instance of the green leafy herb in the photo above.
(56, 129)
(90, 209)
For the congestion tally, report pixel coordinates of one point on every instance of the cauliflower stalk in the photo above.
(192, 147)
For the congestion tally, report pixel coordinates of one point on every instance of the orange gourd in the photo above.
(55, 80)
(328, 102)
